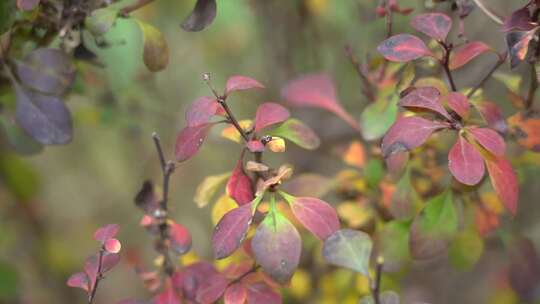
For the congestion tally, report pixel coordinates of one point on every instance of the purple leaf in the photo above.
(403, 48)
(493, 116)
(212, 289)
(79, 280)
(106, 232)
(262, 293)
(202, 16)
(190, 139)
(231, 231)
(350, 249)
(316, 90)
(465, 162)
(409, 132)
(519, 20)
(201, 110)
(235, 294)
(270, 113)
(277, 246)
(316, 215)
(427, 98)
(435, 25)
(489, 139)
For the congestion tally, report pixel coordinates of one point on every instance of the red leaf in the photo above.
(435, 25)
(459, 103)
(425, 98)
(112, 245)
(255, 146)
(504, 182)
(316, 90)
(109, 261)
(239, 186)
(212, 289)
(489, 139)
(190, 139)
(235, 294)
(519, 20)
(270, 113)
(106, 232)
(201, 110)
(79, 280)
(466, 53)
(261, 293)
(409, 132)
(231, 231)
(492, 114)
(403, 48)
(195, 275)
(465, 162)
(240, 83)
(277, 247)
(168, 296)
(180, 238)
(518, 45)
(316, 215)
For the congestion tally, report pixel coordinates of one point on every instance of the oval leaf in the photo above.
(156, 50)
(489, 139)
(180, 238)
(504, 181)
(277, 246)
(316, 90)
(208, 187)
(106, 232)
(466, 53)
(316, 215)
(241, 83)
(409, 132)
(459, 103)
(466, 163)
(270, 113)
(189, 141)
(212, 289)
(297, 132)
(235, 294)
(262, 293)
(403, 48)
(427, 98)
(231, 231)
(201, 110)
(239, 186)
(350, 249)
(79, 280)
(202, 16)
(435, 25)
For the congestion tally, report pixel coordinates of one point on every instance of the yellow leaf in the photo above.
(300, 284)
(189, 258)
(492, 202)
(156, 50)
(355, 155)
(277, 144)
(231, 133)
(208, 187)
(354, 214)
(223, 205)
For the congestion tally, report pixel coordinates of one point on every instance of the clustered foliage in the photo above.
(397, 203)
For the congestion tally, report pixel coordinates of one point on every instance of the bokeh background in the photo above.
(51, 203)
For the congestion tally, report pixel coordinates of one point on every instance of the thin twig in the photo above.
(367, 90)
(376, 285)
(99, 276)
(499, 62)
(446, 64)
(389, 29)
(125, 11)
(492, 15)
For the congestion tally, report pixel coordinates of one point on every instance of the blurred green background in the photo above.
(51, 203)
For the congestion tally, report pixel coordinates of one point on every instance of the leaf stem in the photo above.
(446, 64)
(99, 276)
(125, 11)
(376, 285)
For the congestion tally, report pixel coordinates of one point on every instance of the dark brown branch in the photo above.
(376, 284)
(446, 64)
(501, 60)
(99, 276)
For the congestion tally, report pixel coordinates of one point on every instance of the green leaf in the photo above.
(297, 132)
(350, 249)
(378, 117)
(156, 50)
(434, 227)
(208, 187)
(101, 20)
(374, 172)
(466, 249)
